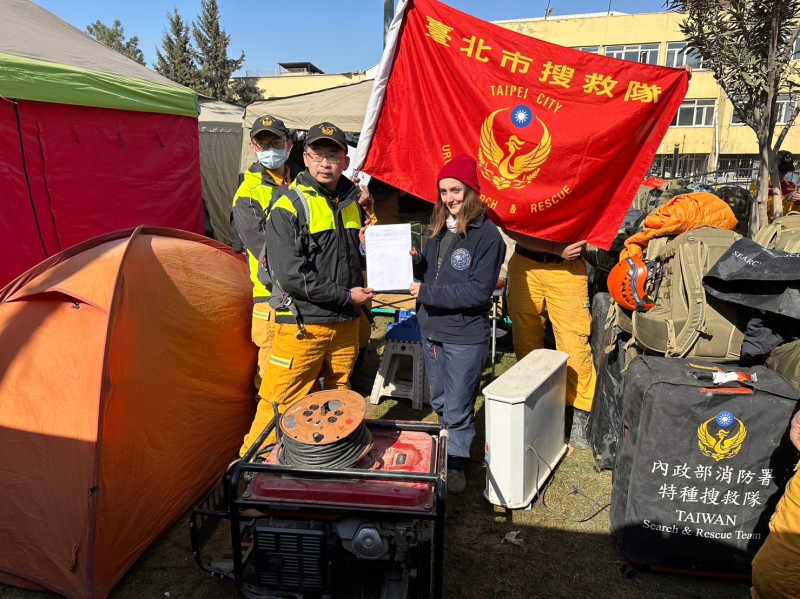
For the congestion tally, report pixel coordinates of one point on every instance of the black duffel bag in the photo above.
(751, 275)
(701, 466)
(609, 344)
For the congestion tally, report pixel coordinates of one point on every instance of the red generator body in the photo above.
(303, 533)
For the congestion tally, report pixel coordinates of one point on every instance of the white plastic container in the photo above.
(525, 439)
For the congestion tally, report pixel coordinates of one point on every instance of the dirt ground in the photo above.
(555, 559)
(490, 552)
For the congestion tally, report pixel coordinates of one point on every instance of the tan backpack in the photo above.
(686, 322)
(782, 234)
(785, 360)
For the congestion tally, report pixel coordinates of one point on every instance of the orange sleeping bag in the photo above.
(682, 213)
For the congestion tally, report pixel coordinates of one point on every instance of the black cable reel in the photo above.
(325, 430)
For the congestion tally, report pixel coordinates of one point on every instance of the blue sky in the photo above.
(335, 35)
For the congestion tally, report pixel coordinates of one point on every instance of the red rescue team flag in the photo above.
(563, 138)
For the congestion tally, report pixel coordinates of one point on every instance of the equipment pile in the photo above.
(698, 380)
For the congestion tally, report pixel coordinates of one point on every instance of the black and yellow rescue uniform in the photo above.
(317, 271)
(321, 273)
(249, 217)
(249, 220)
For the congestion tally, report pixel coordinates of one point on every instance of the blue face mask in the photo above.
(272, 158)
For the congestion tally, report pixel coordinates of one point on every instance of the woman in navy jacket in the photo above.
(458, 271)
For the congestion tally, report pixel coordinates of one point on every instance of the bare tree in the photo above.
(748, 44)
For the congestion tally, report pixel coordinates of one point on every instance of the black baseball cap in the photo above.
(269, 123)
(326, 131)
(785, 161)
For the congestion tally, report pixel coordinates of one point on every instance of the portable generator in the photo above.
(336, 491)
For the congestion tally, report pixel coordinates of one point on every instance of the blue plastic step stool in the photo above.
(403, 338)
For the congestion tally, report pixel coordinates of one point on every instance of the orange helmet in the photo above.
(633, 284)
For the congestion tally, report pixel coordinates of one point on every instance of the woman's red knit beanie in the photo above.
(464, 168)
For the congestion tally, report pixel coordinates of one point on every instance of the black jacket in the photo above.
(454, 300)
(247, 231)
(318, 278)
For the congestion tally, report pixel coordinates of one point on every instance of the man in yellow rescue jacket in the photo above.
(315, 260)
(271, 143)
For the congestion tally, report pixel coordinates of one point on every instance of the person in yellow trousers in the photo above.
(271, 143)
(776, 566)
(548, 280)
(315, 262)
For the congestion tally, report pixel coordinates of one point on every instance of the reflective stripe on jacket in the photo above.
(251, 200)
(319, 279)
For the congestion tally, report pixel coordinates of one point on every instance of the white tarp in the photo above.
(343, 106)
(375, 104)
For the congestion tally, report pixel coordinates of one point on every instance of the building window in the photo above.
(695, 113)
(738, 167)
(644, 53)
(784, 108)
(678, 55)
(589, 49)
(735, 120)
(661, 165)
(689, 165)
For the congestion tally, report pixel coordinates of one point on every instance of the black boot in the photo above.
(577, 435)
(359, 381)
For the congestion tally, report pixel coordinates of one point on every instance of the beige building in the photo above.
(706, 133)
(294, 78)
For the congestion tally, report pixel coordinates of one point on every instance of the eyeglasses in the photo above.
(275, 143)
(331, 158)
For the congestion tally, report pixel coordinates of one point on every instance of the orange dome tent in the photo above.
(126, 386)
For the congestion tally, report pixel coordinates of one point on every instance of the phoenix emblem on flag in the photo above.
(521, 163)
(721, 446)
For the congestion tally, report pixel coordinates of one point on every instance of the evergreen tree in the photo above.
(749, 46)
(114, 38)
(177, 62)
(242, 93)
(212, 57)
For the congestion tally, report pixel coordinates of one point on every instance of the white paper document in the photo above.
(388, 258)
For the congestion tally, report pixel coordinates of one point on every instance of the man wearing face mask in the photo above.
(271, 144)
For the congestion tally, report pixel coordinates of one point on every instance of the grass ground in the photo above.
(550, 557)
(554, 557)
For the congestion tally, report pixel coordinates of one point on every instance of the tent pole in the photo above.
(27, 178)
(388, 15)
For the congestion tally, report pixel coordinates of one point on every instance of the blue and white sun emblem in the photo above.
(521, 116)
(460, 260)
(725, 419)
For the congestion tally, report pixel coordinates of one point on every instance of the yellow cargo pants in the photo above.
(776, 566)
(559, 291)
(325, 351)
(262, 333)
